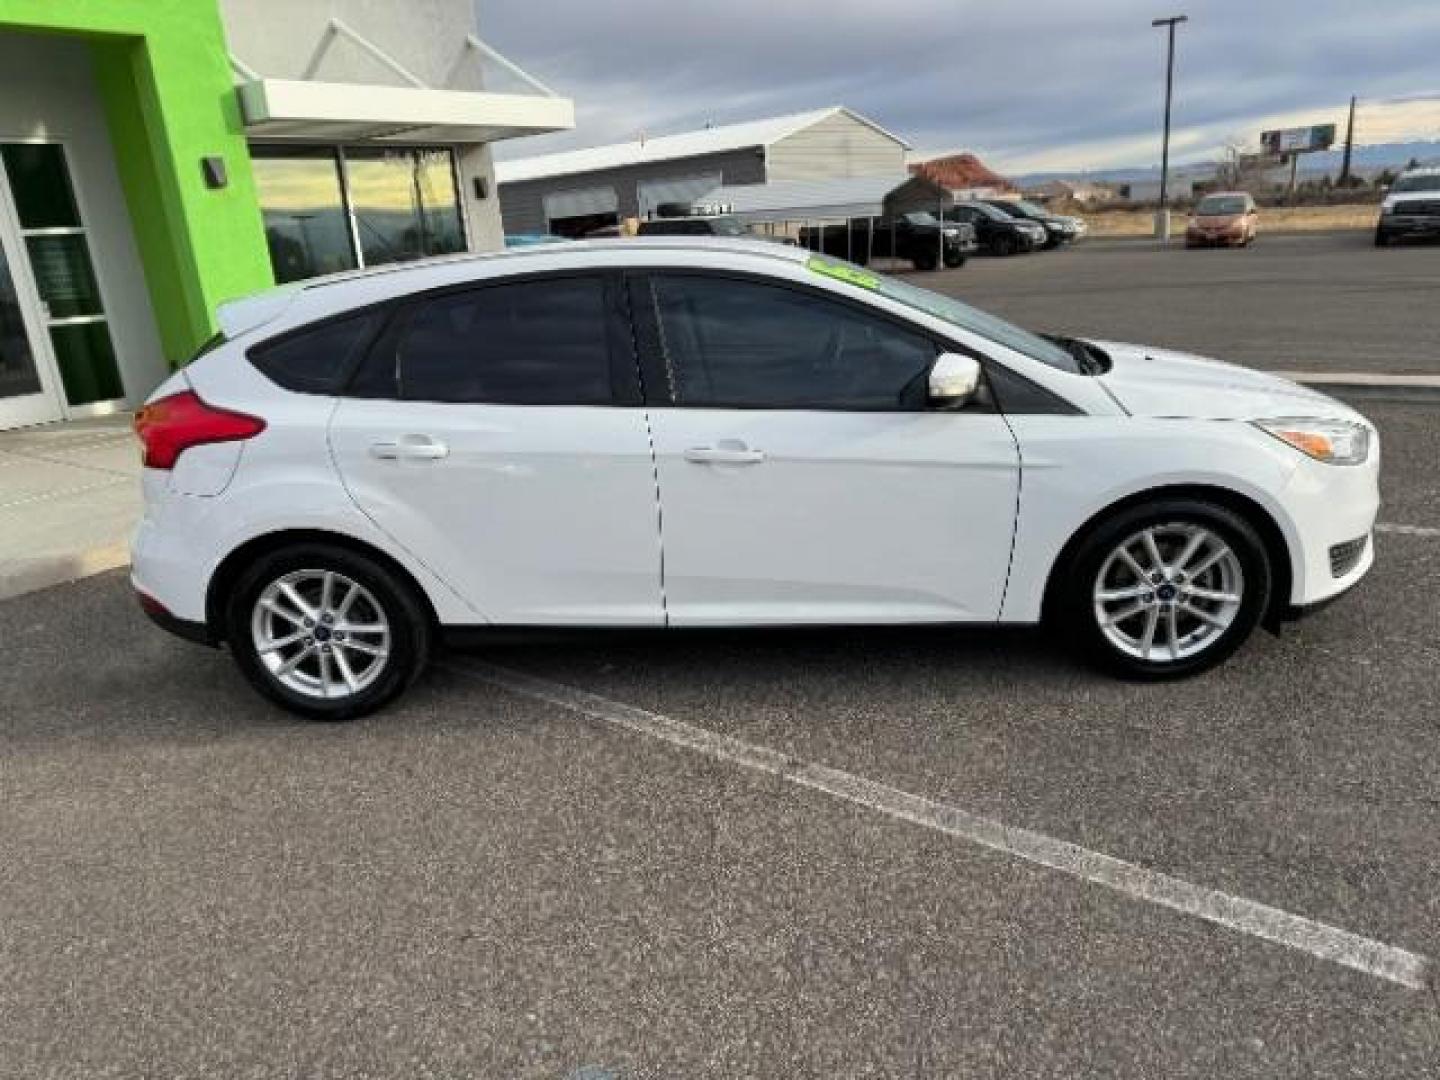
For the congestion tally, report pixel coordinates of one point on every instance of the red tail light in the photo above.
(174, 424)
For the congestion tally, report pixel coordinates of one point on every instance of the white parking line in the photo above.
(1407, 530)
(1246, 916)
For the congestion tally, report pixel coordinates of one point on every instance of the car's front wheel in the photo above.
(325, 631)
(1166, 590)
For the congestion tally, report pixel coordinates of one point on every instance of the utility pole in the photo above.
(1349, 145)
(1163, 217)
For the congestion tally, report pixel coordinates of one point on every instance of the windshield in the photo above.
(1418, 183)
(920, 217)
(1218, 205)
(976, 321)
(1023, 209)
(989, 211)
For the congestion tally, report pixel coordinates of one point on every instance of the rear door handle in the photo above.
(724, 454)
(410, 448)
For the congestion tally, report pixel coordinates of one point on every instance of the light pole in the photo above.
(1163, 217)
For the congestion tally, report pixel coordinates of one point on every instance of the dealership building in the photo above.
(578, 191)
(158, 157)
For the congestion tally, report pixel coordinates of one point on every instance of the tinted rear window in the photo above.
(528, 343)
(319, 359)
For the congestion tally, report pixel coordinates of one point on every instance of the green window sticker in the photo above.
(851, 275)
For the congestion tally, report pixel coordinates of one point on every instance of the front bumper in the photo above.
(1209, 239)
(1330, 507)
(1296, 612)
(1400, 226)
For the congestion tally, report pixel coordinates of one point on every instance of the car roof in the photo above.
(318, 297)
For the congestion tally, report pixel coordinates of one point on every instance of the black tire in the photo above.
(954, 260)
(1072, 606)
(405, 612)
(1004, 246)
(1381, 240)
(924, 263)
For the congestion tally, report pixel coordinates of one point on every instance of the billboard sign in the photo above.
(1300, 140)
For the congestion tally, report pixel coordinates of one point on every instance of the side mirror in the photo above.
(954, 380)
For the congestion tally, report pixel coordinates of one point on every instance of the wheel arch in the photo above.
(1260, 518)
(230, 568)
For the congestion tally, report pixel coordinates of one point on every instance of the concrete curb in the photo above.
(1422, 389)
(31, 575)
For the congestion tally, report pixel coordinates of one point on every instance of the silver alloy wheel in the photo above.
(320, 634)
(1169, 592)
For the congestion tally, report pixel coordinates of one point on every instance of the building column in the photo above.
(164, 71)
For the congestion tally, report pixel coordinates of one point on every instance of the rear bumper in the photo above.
(161, 616)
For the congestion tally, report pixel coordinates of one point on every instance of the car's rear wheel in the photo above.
(327, 632)
(1165, 590)
(924, 263)
(1004, 245)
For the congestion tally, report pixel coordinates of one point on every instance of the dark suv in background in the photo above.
(1059, 229)
(998, 232)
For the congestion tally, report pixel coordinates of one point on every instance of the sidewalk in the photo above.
(69, 499)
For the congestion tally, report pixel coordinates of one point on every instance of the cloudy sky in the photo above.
(1040, 84)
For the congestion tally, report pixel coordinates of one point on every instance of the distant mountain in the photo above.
(1364, 160)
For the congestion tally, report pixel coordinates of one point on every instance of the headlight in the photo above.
(1387, 208)
(1335, 442)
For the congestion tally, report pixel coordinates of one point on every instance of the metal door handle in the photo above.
(716, 455)
(410, 448)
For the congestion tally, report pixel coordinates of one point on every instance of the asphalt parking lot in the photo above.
(731, 854)
(1328, 302)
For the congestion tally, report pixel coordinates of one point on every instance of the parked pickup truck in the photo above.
(914, 237)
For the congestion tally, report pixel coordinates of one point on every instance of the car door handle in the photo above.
(410, 448)
(724, 455)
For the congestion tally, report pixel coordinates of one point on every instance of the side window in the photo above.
(743, 344)
(317, 360)
(527, 343)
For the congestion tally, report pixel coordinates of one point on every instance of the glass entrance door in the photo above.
(27, 388)
(57, 334)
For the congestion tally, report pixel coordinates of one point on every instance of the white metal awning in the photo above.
(335, 112)
(311, 109)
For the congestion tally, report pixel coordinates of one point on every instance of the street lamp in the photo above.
(1163, 218)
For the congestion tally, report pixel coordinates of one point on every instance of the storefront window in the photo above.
(306, 226)
(405, 203)
(400, 203)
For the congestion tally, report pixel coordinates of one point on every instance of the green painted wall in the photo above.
(164, 72)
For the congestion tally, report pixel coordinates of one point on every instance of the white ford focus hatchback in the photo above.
(698, 434)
